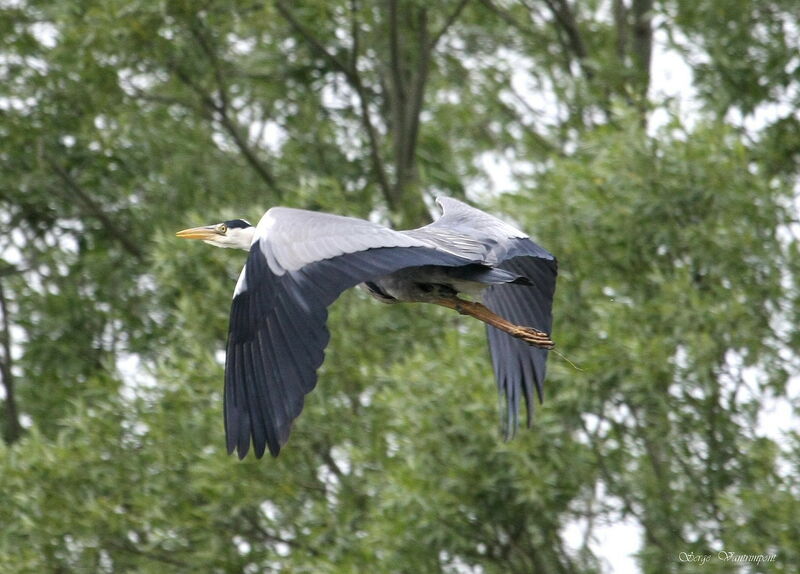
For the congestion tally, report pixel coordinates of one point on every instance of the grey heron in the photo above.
(300, 261)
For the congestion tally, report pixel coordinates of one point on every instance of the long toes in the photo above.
(535, 337)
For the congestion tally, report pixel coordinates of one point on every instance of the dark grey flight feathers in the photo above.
(300, 261)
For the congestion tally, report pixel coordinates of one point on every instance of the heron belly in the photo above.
(424, 285)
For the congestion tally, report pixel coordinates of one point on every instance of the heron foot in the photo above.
(533, 337)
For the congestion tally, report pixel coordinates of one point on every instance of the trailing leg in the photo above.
(481, 312)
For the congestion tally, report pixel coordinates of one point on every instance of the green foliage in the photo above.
(122, 122)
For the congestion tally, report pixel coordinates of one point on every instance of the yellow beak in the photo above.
(207, 232)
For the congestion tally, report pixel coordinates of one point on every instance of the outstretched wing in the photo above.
(519, 367)
(299, 263)
(467, 231)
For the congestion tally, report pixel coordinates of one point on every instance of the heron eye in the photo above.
(222, 228)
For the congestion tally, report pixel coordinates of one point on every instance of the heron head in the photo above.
(235, 234)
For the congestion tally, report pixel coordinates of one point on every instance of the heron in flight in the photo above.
(300, 261)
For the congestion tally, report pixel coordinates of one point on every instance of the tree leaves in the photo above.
(122, 122)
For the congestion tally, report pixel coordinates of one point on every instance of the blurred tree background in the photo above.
(674, 222)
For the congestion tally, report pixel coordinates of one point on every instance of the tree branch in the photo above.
(327, 457)
(642, 44)
(565, 17)
(620, 12)
(95, 210)
(221, 113)
(13, 428)
(417, 96)
(397, 103)
(318, 47)
(164, 558)
(252, 520)
(398, 82)
(350, 72)
(265, 173)
(211, 56)
(7, 269)
(407, 79)
(354, 35)
(378, 167)
(448, 23)
(504, 15)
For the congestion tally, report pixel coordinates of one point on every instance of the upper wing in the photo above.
(471, 232)
(296, 237)
(299, 263)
